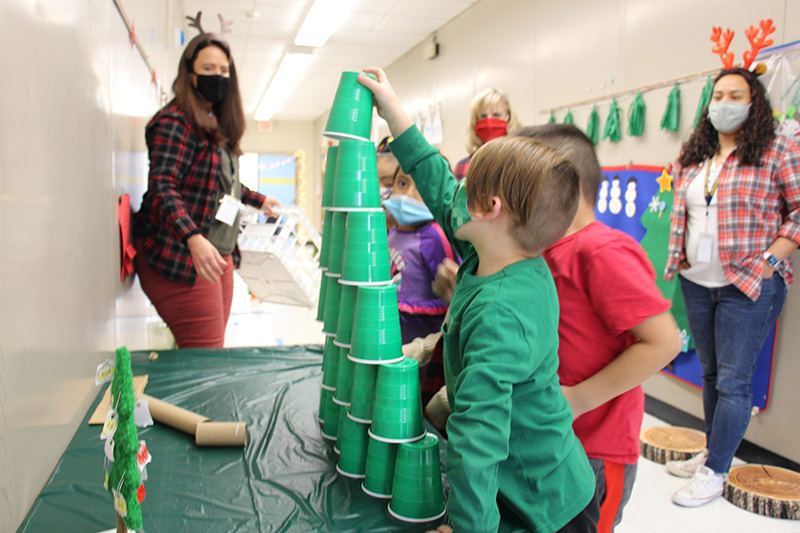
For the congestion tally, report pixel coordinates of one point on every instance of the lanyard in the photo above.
(710, 195)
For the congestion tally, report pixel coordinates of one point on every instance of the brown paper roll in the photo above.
(174, 416)
(221, 434)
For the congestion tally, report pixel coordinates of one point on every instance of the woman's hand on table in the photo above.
(207, 261)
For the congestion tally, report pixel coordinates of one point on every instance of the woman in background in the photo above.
(186, 229)
(491, 116)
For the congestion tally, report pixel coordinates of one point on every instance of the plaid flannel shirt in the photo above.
(756, 205)
(182, 194)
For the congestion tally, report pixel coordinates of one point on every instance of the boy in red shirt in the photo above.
(615, 329)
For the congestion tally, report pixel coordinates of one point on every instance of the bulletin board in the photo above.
(635, 199)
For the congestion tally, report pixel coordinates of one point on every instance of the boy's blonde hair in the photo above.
(485, 98)
(538, 186)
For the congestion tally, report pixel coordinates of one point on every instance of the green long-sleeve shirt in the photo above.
(510, 434)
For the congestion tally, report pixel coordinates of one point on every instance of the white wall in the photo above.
(549, 54)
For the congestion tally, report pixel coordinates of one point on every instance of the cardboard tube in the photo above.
(221, 434)
(174, 416)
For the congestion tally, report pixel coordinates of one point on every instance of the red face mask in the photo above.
(490, 128)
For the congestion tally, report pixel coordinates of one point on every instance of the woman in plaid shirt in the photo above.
(735, 221)
(186, 229)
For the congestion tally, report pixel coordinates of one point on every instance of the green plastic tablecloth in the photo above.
(283, 480)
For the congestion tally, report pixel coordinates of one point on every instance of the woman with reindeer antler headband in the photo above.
(735, 221)
(186, 229)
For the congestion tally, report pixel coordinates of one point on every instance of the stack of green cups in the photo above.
(324, 397)
(351, 112)
(352, 444)
(362, 393)
(344, 378)
(330, 177)
(397, 415)
(357, 187)
(379, 474)
(330, 363)
(330, 425)
(417, 485)
(327, 227)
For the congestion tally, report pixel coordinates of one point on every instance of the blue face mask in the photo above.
(406, 210)
(459, 214)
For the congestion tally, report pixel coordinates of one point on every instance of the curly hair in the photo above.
(753, 137)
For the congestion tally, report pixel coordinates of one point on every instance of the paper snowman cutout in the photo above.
(630, 198)
(602, 199)
(615, 204)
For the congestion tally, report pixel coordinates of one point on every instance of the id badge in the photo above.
(228, 209)
(705, 248)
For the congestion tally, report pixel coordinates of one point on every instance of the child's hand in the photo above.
(442, 529)
(573, 400)
(386, 101)
(445, 281)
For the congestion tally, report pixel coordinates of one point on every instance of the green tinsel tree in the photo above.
(671, 116)
(636, 114)
(593, 127)
(552, 119)
(123, 474)
(568, 118)
(705, 98)
(612, 130)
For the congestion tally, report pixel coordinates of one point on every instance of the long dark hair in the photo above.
(752, 139)
(226, 125)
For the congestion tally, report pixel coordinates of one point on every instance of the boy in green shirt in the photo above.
(510, 442)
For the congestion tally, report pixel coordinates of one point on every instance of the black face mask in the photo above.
(213, 88)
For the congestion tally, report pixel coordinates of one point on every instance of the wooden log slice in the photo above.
(668, 443)
(765, 490)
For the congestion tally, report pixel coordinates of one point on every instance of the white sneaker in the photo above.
(688, 467)
(704, 487)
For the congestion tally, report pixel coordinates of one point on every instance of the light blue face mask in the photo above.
(727, 117)
(407, 211)
(459, 214)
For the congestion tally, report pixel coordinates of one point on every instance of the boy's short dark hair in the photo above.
(576, 146)
(536, 183)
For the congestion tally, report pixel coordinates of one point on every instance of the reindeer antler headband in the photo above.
(194, 22)
(757, 42)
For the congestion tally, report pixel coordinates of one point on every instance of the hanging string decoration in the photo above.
(593, 127)
(636, 116)
(671, 117)
(552, 119)
(568, 118)
(612, 130)
(705, 98)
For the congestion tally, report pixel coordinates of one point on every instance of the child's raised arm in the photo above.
(386, 101)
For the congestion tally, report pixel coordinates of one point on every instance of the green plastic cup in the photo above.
(397, 415)
(333, 296)
(325, 396)
(357, 187)
(353, 442)
(323, 293)
(329, 177)
(327, 233)
(330, 428)
(362, 395)
(376, 326)
(351, 112)
(338, 225)
(347, 311)
(330, 364)
(417, 494)
(381, 457)
(344, 379)
(366, 259)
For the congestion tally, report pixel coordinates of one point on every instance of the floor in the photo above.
(255, 323)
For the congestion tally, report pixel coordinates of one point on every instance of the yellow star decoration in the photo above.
(664, 181)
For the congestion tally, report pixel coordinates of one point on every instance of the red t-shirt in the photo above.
(606, 286)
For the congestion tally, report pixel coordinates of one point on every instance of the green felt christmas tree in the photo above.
(124, 482)
(655, 220)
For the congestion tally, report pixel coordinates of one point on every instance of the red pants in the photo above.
(196, 315)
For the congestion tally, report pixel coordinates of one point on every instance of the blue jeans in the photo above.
(729, 330)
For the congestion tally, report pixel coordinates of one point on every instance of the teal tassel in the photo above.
(593, 127)
(612, 130)
(552, 119)
(705, 98)
(568, 119)
(636, 116)
(672, 115)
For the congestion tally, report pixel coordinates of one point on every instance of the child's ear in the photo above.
(497, 206)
